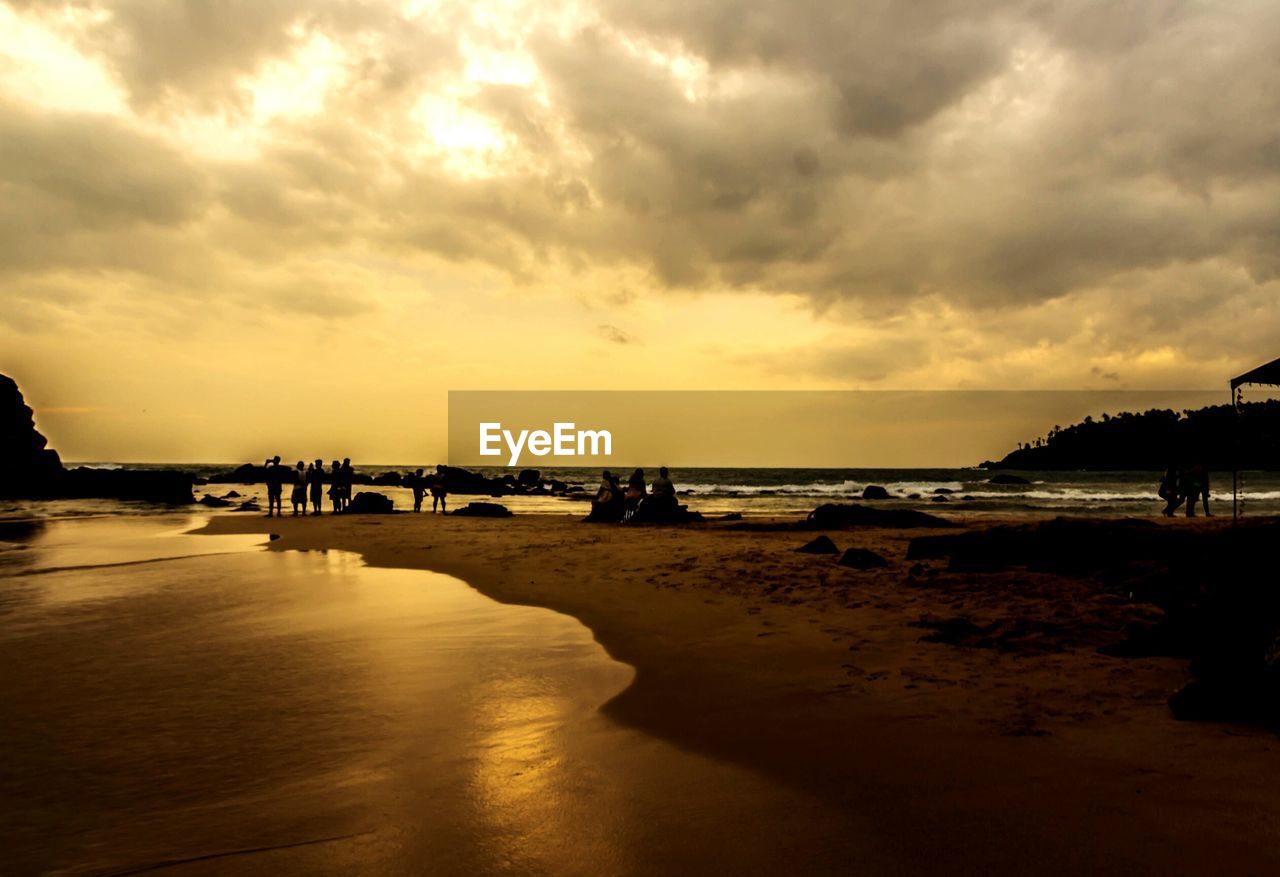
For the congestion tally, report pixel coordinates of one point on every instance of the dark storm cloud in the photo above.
(987, 154)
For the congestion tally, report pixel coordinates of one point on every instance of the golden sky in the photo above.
(240, 227)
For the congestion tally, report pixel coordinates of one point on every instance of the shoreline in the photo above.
(812, 675)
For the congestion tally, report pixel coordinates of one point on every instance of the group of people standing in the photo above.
(1187, 485)
(308, 480)
(613, 502)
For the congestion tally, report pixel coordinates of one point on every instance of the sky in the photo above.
(230, 228)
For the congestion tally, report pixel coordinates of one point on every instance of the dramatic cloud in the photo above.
(934, 192)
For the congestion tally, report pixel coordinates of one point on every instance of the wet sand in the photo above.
(198, 705)
(1048, 758)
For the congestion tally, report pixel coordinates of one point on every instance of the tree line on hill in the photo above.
(1218, 436)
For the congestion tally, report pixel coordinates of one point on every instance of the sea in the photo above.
(788, 492)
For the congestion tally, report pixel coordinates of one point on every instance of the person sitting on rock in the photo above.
(607, 505)
(636, 494)
(299, 495)
(275, 476)
(439, 491)
(664, 493)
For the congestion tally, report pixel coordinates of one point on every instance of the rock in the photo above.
(913, 496)
(861, 558)
(1003, 478)
(245, 474)
(167, 486)
(943, 490)
(388, 479)
(231, 494)
(940, 499)
(820, 545)
(28, 468)
(214, 502)
(483, 510)
(367, 503)
(529, 477)
(967, 498)
(731, 516)
(832, 516)
(874, 491)
(558, 486)
(249, 506)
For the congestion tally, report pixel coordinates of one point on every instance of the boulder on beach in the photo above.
(1004, 478)
(820, 545)
(388, 479)
(483, 510)
(368, 503)
(214, 502)
(248, 506)
(861, 558)
(833, 516)
(943, 490)
(231, 494)
(529, 477)
(940, 498)
(874, 491)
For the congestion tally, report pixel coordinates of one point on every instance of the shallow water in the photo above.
(202, 705)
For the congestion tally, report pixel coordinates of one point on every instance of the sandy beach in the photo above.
(1037, 754)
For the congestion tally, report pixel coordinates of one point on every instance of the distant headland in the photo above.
(1218, 436)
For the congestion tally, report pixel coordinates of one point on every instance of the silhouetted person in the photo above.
(275, 477)
(1170, 491)
(635, 494)
(348, 479)
(335, 486)
(664, 493)
(609, 502)
(1196, 487)
(299, 495)
(315, 480)
(439, 491)
(418, 484)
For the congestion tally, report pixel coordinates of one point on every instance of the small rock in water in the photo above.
(874, 491)
(1007, 479)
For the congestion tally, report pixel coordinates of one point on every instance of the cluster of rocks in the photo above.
(1215, 604)
(855, 558)
(29, 469)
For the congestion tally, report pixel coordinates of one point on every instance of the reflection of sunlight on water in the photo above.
(266, 690)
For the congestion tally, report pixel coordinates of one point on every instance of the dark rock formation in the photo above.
(388, 479)
(862, 558)
(367, 503)
(820, 545)
(249, 506)
(529, 477)
(1004, 478)
(31, 470)
(214, 502)
(483, 510)
(833, 517)
(874, 491)
(943, 490)
(940, 498)
(28, 468)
